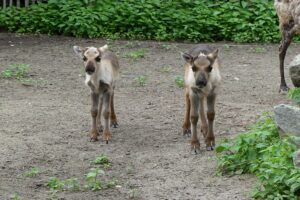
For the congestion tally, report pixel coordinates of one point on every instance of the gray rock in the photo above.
(296, 158)
(294, 70)
(288, 119)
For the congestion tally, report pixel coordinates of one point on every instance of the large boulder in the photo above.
(288, 119)
(294, 69)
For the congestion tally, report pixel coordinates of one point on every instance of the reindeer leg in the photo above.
(106, 114)
(113, 117)
(99, 126)
(203, 118)
(285, 42)
(210, 138)
(187, 123)
(94, 113)
(194, 116)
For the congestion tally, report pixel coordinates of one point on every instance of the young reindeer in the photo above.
(202, 79)
(288, 12)
(102, 70)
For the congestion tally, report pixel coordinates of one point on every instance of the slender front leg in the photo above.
(187, 123)
(99, 126)
(113, 117)
(195, 145)
(285, 42)
(203, 118)
(94, 113)
(210, 138)
(106, 114)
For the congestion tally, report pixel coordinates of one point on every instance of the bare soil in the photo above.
(46, 125)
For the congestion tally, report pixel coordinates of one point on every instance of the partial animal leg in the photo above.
(203, 118)
(187, 123)
(194, 116)
(99, 126)
(210, 137)
(113, 117)
(106, 115)
(286, 40)
(94, 113)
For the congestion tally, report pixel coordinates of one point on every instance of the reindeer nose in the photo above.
(90, 69)
(201, 83)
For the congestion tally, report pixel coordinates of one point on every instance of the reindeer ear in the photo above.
(187, 57)
(103, 48)
(79, 51)
(212, 56)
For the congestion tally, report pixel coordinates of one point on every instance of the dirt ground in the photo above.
(46, 126)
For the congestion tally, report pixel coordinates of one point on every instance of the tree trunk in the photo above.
(18, 3)
(26, 3)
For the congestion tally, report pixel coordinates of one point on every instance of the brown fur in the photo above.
(202, 80)
(102, 69)
(288, 12)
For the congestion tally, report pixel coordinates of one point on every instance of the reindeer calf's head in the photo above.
(91, 56)
(201, 65)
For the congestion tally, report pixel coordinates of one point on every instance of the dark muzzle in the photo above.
(89, 69)
(201, 83)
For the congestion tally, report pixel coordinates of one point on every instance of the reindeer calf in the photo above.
(202, 79)
(102, 70)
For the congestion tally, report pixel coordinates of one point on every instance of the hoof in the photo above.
(195, 147)
(100, 129)
(114, 124)
(94, 136)
(94, 139)
(187, 132)
(107, 136)
(210, 148)
(283, 89)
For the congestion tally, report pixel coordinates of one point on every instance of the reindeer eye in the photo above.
(209, 68)
(194, 68)
(98, 59)
(84, 58)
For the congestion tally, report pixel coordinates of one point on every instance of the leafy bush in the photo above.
(261, 152)
(294, 94)
(213, 20)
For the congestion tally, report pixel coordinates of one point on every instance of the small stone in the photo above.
(296, 158)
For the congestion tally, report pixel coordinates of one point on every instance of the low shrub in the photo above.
(260, 151)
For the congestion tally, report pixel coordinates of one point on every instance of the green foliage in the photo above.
(32, 172)
(212, 20)
(136, 54)
(260, 151)
(141, 80)
(102, 160)
(294, 94)
(17, 71)
(92, 181)
(179, 81)
(15, 197)
(55, 184)
(72, 184)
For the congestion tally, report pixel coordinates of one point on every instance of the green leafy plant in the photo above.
(92, 181)
(32, 172)
(260, 151)
(55, 184)
(136, 54)
(141, 80)
(166, 69)
(72, 184)
(294, 94)
(102, 160)
(179, 81)
(15, 197)
(17, 71)
(260, 50)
